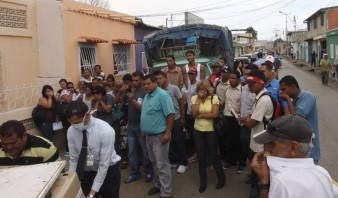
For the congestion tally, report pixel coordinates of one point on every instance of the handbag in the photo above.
(117, 112)
(219, 123)
(57, 126)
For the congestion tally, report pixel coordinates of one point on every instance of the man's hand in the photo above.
(122, 90)
(242, 119)
(130, 95)
(284, 96)
(260, 167)
(165, 138)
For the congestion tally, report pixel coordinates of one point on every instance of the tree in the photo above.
(98, 3)
(253, 32)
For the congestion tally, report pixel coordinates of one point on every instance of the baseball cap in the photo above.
(290, 127)
(324, 54)
(224, 69)
(192, 71)
(216, 64)
(270, 58)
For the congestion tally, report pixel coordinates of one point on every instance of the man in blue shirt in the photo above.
(260, 59)
(304, 103)
(157, 120)
(272, 85)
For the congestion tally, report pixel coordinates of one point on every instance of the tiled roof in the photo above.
(126, 41)
(90, 39)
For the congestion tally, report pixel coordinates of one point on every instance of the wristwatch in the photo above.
(263, 186)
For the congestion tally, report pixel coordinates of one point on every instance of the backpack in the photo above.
(38, 115)
(277, 108)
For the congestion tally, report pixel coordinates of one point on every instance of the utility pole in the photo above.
(294, 20)
(166, 22)
(286, 32)
(172, 21)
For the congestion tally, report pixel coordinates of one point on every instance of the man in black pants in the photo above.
(92, 153)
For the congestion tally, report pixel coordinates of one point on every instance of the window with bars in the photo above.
(122, 57)
(87, 58)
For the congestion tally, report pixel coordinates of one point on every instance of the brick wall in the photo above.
(332, 17)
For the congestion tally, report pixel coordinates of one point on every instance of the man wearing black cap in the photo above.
(262, 110)
(288, 172)
(216, 68)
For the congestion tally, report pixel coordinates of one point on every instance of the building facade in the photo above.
(43, 41)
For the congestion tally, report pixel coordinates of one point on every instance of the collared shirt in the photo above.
(202, 124)
(37, 150)
(299, 177)
(175, 95)
(306, 106)
(175, 77)
(274, 90)
(101, 138)
(247, 100)
(156, 107)
(325, 64)
(261, 109)
(220, 89)
(232, 97)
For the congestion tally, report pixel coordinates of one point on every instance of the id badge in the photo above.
(90, 157)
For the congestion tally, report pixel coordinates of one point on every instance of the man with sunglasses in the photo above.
(262, 110)
(92, 153)
(21, 148)
(289, 172)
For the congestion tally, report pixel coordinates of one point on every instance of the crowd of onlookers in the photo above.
(170, 116)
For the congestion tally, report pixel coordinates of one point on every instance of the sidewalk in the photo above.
(307, 67)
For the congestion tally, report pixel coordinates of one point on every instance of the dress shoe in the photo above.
(154, 191)
(149, 177)
(202, 189)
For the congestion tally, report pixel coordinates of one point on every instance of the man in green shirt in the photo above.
(325, 64)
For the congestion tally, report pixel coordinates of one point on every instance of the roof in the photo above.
(90, 39)
(126, 41)
(319, 12)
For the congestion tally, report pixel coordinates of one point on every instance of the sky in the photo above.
(262, 15)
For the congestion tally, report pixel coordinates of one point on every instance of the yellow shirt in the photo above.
(202, 124)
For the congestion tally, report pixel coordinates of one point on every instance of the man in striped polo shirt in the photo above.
(20, 148)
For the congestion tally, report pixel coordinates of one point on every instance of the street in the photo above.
(186, 185)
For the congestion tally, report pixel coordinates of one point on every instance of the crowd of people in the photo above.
(171, 127)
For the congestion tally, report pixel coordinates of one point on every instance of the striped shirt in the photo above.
(37, 150)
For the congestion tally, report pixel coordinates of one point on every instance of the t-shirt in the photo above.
(101, 113)
(175, 95)
(325, 64)
(133, 114)
(261, 109)
(202, 124)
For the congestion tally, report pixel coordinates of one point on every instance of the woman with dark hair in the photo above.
(88, 95)
(110, 79)
(47, 104)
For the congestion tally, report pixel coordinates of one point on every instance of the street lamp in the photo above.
(286, 30)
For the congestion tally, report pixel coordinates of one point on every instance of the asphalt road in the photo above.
(186, 185)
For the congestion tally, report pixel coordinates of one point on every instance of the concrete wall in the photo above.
(320, 29)
(82, 20)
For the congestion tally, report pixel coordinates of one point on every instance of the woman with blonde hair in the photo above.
(204, 108)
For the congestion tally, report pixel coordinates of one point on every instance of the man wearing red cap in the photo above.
(262, 110)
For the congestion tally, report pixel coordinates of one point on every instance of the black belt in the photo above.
(155, 134)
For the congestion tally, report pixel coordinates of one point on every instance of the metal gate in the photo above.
(87, 58)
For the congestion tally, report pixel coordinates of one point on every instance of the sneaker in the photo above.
(149, 177)
(228, 166)
(240, 169)
(181, 169)
(174, 165)
(130, 179)
(154, 191)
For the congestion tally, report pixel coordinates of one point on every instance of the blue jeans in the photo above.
(177, 154)
(134, 141)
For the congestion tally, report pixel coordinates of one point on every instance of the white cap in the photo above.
(270, 58)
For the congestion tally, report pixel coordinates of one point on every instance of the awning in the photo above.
(89, 39)
(125, 41)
